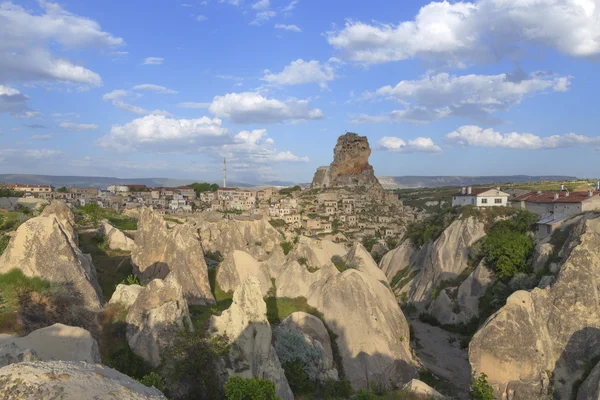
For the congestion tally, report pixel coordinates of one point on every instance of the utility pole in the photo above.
(224, 172)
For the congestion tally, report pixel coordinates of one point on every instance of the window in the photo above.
(498, 201)
(483, 201)
(548, 229)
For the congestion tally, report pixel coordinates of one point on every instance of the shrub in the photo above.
(303, 261)
(238, 388)
(277, 223)
(213, 255)
(431, 228)
(292, 348)
(153, 380)
(368, 242)
(258, 244)
(131, 280)
(287, 247)
(507, 247)
(4, 240)
(124, 360)
(481, 389)
(92, 213)
(391, 242)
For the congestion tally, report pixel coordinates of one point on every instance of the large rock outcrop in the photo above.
(116, 239)
(70, 380)
(545, 337)
(157, 315)
(56, 342)
(126, 295)
(590, 388)
(239, 266)
(45, 247)
(372, 333)
(446, 258)
(245, 324)
(61, 211)
(160, 251)
(255, 236)
(350, 166)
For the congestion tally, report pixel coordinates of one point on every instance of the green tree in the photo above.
(204, 187)
(93, 213)
(7, 192)
(238, 388)
(481, 389)
(508, 246)
(62, 190)
(153, 380)
(368, 242)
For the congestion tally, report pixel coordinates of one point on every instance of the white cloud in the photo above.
(66, 115)
(471, 135)
(78, 127)
(41, 137)
(301, 72)
(252, 107)
(262, 17)
(292, 28)
(191, 104)
(28, 115)
(27, 44)
(115, 94)
(254, 147)
(262, 5)
(287, 10)
(460, 32)
(418, 145)
(12, 100)
(369, 119)
(37, 154)
(162, 134)
(153, 60)
(155, 88)
(475, 96)
(201, 18)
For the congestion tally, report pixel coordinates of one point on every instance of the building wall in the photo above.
(567, 208)
(539, 208)
(592, 204)
(463, 200)
(491, 201)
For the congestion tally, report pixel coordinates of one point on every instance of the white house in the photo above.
(480, 197)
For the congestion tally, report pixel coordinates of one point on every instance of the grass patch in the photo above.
(454, 282)
(201, 314)
(277, 223)
(123, 223)
(4, 240)
(402, 277)
(286, 247)
(340, 264)
(280, 308)
(174, 220)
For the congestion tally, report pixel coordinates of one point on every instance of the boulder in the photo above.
(245, 324)
(542, 252)
(544, 338)
(590, 388)
(70, 380)
(294, 280)
(115, 238)
(56, 342)
(10, 353)
(126, 295)
(446, 258)
(157, 315)
(237, 267)
(314, 344)
(43, 248)
(61, 211)
(422, 390)
(160, 252)
(372, 333)
(254, 236)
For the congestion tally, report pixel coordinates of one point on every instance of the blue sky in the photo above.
(169, 88)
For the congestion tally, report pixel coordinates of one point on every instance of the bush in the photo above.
(431, 228)
(154, 380)
(507, 247)
(341, 389)
(292, 349)
(92, 213)
(213, 255)
(131, 280)
(4, 240)
(368, 242)
(277, 223)
(287, 247)
(481, 389)
(238, 388)
(303, 261)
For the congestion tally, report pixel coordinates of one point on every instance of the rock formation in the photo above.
(239, 266)
(245, 324)
(254, 236)
(126, 295)
(61, 211)
(155, 317)
(590, 388)
(115, 238)
(544, 337)
(45, 247)
(160, 252)
(56, 342)
(372, 333)
(350, 166)
(70, 380)
(360, 258)
(422, 391)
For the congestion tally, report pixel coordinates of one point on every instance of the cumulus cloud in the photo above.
(418, 145)
(115, 94)
(262, 5)
(252, 107)
(12, 100)
(262, 17)
(475, 136)
(481, 30)
(78, 127)
(27, 44)
(153, 60)
(116, 97)
(434, 97)
(301, 72)
(292, 28)
(154, 88)
(159, 133)
(254, 146)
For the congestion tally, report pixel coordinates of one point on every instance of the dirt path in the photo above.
(440, 352)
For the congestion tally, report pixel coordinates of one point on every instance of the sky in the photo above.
(168, 88)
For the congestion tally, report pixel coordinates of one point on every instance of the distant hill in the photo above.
(100, 182)
(407, 182)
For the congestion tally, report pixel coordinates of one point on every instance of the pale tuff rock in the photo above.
(115, 238)
(542, 252)
(317, 252)
(237, 267)
(546, 333)
(467, 298)
(42, 248)
(154, 319)
(405, 260)
(422, 390)
(254, 236)
(372, 333)
(56, 342)
(446, 258)
(61, 211)
(10, 353)
(9, 203)
(590, 388)
(314, 336)
(70, 380)
(177, 252)
(126, 295)
(350, 166)
(360, 258)
(245, 324)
